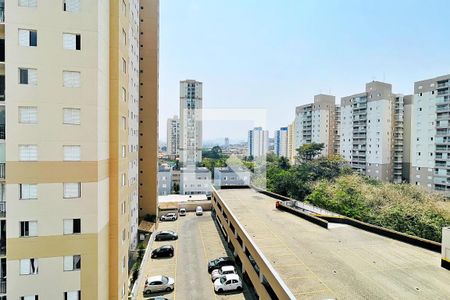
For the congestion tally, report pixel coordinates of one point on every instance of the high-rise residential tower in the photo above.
(372, 131)
(315, 123)
(281, 142)
(292, 151)
(72, 153)
(258, 142)
(173, 136)
(191, 103)
(430, 134)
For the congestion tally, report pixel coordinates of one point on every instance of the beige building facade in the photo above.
(430, 136)
(315, 123)
(71, 74)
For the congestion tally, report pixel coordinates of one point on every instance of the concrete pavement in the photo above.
(198, 242)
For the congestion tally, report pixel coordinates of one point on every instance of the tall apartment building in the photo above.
(315, 123)
(70, 84)
(258, 142)
(372, 132)
(191, 103)
(430, 159)
(337, 129)
(292, 151)
(281, 142)
(173, 135)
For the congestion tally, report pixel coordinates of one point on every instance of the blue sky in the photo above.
(278, 54)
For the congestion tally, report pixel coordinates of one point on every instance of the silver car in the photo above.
(159, 283)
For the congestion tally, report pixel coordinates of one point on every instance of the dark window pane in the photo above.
(77, 226)
(78, 42)
(76, 262)
(23, 73)
(33, 38)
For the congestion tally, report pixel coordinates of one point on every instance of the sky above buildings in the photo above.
(276, 55)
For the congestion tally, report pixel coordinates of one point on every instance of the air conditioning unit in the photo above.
(445, 262)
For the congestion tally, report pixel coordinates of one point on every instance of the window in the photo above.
(71, 79)
(72, 116)
(124, 94)
(28, 3)
(124, 179)
(124, 65)
(27, 38)
(29, 266)
(72, 41)
(124, 123)
(124, 7)
(28, 152)
(72, 226)
(27, 191)
(124, 37)
(72, 153)
(34, 297)
(72, 263)
(71, 5)
(124, 151)
(73, 295)
(27, 114)
(28, 76)
(72, 190)
(28, 228)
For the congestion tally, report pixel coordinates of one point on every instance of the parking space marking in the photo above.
(176, 260)
(205, 253)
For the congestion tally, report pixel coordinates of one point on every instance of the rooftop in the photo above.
(342, 262)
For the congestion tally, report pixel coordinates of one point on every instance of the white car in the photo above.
(225, 270)
(159, 283)
(169, 217)
(226, 283)
(182, 212)
(199, 211)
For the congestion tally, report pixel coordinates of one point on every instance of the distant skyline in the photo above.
(260, 54)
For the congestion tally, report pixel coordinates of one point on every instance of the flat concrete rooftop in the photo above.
(343, 262)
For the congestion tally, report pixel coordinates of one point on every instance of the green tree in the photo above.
(308, 152)
(283, 163)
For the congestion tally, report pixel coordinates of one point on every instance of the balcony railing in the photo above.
(2, 171)
(2, 209)
(3, 246)
(2, 11)
(3, 286)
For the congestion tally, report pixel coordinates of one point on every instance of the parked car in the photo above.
(166, 235)
(227, 283)
(199, 211)
(225, 270)
(159, 283)
(158, 298)
(220, 262)
(169, 217)
(163, 251)
(182, 212)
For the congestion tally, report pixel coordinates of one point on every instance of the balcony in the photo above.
(2, 209)
(2, 170)
(3, 286)
(2, 11)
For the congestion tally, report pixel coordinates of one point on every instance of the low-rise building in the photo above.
(231, 177)
(195, 181)
(164, 180)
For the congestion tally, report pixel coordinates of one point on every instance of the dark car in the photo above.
(163, 251)
(220, 262)
(166, 235)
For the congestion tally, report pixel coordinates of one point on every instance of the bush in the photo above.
(403, 208)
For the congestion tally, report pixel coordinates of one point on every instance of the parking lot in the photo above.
(199, 241)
